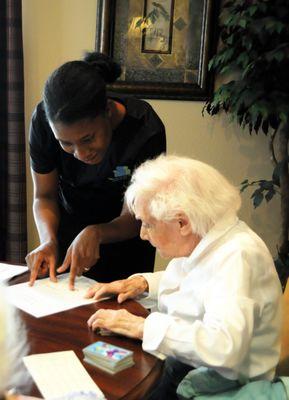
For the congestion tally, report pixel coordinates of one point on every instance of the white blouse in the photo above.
(219, 307)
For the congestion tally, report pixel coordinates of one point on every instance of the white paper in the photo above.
(60, 374)
(147, 302)
(46, 297)
(7, 271)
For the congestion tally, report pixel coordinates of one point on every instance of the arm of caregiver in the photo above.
(46, 215)
(84, 250)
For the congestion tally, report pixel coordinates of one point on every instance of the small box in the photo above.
(108, 357)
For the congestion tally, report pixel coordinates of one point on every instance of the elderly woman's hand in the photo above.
(118, 321)
(124, 289)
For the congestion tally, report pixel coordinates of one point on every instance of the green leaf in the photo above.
(244, 187)
(230, 39)
(283, 117)
(252, 10)
(243, 22)
(248, 44)
(270, 195)
(225, 69)
(243, 60)
(266, 185)
(211, 63)
(257, 198)
(279, 56)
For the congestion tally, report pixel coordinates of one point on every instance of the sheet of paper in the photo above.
(7, 271)
(148, 303)
(46, 297)
(60, 374)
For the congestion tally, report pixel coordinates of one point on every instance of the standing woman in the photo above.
(84, 146)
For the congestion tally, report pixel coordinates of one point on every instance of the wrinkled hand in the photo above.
(124, 289)
(118, 321)
(42, 260)
(82, 254)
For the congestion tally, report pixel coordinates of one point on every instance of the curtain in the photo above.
(13, 229)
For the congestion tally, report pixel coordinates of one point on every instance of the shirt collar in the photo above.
(227, 222)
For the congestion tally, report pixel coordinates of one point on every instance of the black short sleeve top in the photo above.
(94, 193)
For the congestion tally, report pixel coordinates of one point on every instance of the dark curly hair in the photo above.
(77, 89)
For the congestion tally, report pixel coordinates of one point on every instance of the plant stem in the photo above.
(271, 146)
(284, 186)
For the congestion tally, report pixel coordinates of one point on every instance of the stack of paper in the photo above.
(8, 271)
(108, 357)
(61, 375)
(47, 297)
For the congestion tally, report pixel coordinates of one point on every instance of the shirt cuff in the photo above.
(153, 279)
(155, 328)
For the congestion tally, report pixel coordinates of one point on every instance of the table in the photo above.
(68, 330)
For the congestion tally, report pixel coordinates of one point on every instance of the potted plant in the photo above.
(254, 36)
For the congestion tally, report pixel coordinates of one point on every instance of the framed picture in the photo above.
(162, 46)
(157, 27)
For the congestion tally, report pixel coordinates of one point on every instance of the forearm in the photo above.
(121, 228)
(46, 215)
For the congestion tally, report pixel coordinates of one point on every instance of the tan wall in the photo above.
(56, 31)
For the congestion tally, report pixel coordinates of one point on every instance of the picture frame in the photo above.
(163, 46)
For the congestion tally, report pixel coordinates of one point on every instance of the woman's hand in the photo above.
(42, 260)
(124, 289)
(82, 254)
(118, 321)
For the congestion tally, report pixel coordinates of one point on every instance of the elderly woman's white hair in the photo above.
(13, 347)
(170, 185)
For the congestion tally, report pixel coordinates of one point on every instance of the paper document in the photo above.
(61, 374)
(7, 271)
(46, 297)
(147, 302)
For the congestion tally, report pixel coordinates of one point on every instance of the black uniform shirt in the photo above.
(92, 194)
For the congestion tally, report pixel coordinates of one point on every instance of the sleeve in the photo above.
(155, 146)
(42, 144)
(222, 337)
(156, 143)
(153, 280)
(150, 140)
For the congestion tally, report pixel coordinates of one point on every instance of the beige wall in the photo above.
(56, 31)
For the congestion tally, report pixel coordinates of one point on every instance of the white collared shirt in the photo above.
(219, 307)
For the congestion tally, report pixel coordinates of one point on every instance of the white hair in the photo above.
(170, 185)
(13, 346)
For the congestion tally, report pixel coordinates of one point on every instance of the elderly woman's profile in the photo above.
(218, 301)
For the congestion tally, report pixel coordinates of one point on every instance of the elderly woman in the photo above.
(219, 298)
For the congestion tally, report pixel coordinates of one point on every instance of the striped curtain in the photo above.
(13, 230)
